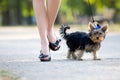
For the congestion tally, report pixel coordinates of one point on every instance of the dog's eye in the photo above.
(95, 33)
(100, 33)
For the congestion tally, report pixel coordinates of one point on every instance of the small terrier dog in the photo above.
(82, 41)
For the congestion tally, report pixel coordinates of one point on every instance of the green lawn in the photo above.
(6, 75)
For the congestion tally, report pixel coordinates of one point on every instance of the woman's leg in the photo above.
(52, 10)
(39, 7)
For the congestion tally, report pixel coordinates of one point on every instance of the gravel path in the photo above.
(19, 50)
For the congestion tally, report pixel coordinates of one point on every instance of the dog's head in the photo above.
(97, 32)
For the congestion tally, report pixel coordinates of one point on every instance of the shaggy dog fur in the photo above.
(82, 41)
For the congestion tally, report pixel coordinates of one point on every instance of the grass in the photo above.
(7, 75)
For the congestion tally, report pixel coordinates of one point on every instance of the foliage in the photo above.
(82, 8)
(14, 12)
(113, 4)
(27, 9)
(65, 10)
(7, 75)
(3, 5)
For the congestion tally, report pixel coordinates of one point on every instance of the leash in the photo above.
(91, 12)
(97, 27)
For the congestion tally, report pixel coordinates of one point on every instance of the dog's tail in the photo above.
(63, 31)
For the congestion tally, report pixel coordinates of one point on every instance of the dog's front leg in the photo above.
(74, 55)
(95, 56)
(80, 54)
(69, 54)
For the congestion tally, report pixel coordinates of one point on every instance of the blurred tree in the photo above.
(16, 12)
(4, 11)
(81, 7)
(114, 4)
(77, 8)
(65, 13)
(27, 10)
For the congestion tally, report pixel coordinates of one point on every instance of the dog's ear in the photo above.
(63, 25)
(105, 28)
(90, 26)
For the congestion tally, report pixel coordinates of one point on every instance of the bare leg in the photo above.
(53, 6)
(42, 23)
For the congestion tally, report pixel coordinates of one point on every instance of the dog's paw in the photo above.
(97, 59)
(80, 59)
(74, 57)
(68, 57)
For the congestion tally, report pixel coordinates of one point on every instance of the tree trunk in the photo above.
(19, 15)
(5, 18)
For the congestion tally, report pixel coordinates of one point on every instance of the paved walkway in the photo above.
(19, 50)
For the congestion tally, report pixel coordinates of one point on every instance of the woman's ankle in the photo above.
(51, 37)
(45, 50)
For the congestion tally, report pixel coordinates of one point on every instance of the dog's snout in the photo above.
(97, 37)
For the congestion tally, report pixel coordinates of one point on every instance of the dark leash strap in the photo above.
(93, 20)
(91, 12)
